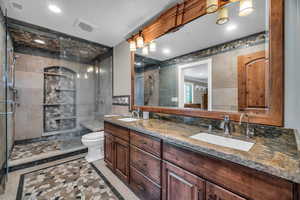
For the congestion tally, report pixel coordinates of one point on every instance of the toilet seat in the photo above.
(94, 136)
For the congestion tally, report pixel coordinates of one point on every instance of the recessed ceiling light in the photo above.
(166, 51)
(54, 8)
(231, 27)
(39, 41)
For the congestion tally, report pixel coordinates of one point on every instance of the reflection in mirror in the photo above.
(208, 66)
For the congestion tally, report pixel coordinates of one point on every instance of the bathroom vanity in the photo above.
(158, 159)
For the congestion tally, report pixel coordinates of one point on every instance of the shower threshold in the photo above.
(35, 153)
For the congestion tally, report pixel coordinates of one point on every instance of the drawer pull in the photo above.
(143, 142)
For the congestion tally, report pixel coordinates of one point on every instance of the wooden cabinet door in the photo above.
(122, 159)
(109, 150)
(214, 192)
(253, 81)
(178, 184)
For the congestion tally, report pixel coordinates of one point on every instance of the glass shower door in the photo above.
(3, 104)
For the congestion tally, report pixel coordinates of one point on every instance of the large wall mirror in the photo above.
(215, 65)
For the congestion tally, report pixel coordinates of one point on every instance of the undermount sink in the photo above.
(223, 141)
(128, 119)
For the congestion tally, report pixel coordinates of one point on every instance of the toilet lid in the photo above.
(94, 136)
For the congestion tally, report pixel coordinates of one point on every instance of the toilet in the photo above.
(94, 143)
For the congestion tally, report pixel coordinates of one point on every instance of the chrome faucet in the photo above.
(135, 112)
(226, 125)
(249, 131)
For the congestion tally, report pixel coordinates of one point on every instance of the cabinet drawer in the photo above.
(146, 163)
(143, 187)
(214, 192)
(117, 131)
(241, 180)
(146, 143)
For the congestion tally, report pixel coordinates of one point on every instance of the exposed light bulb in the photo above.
(223, 16)
(132, 45)
(90, 69)
(54, 8)
(231, 27)
(39, 41)
(246, 7)
(212, 6)
(145, 50)
(78, 75)
(86, 76)
(152, 46)
(140, 42)
(166, 51)
(97, 70)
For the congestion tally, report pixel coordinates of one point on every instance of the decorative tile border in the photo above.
(121, 100)
(251, 40)
(260, 130)
(46, 160)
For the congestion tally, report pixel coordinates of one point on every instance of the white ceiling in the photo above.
(204, 32)
(114, 19)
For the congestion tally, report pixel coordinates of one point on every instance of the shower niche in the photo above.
(59, 100)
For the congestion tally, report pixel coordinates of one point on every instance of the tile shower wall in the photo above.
(104, 88)
(29, 83)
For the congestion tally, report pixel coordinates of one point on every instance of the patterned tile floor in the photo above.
(14, 178)
(75, 179)
(36, 148)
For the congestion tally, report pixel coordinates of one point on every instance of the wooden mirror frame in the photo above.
(184, 13)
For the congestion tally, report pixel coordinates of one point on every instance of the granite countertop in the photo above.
(273, 154)
(93, 125)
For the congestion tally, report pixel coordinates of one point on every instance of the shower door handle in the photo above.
(6, 113)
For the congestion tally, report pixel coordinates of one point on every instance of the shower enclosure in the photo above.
(62, 89)
(7, 103)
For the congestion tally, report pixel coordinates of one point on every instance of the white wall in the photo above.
(292, 64)
(121, 72)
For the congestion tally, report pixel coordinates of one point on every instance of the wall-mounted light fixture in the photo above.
(132, 45)
(223, 17)
(246, 7)
(140, 41)
(212, 6)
